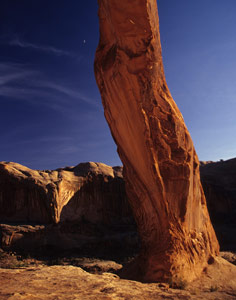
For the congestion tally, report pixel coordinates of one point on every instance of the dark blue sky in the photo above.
(51, 113)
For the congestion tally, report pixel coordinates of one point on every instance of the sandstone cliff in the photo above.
(219, 183)
(91, 192)
(161, 168)
(101, 200)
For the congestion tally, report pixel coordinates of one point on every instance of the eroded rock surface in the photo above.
(105, 198)
(91, 192)
(161, 168)
(72, 283)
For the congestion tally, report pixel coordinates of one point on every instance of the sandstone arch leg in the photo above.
(161, 167)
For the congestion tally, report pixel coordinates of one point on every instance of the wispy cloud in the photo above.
(15, 82)
(69, 92)
(24, 93)
(12, 72)
(20, 82)
(17, 42)
(4, 79)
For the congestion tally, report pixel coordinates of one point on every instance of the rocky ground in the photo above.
(66, 279)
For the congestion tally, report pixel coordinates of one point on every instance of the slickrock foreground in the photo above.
(161, 168)
(72, 283)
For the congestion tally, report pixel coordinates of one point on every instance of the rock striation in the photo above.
(92, 192)
(101, 211)
(82, 209)
(161, 168)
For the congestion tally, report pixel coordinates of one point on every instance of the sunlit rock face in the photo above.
(161, 168)
(91, 192)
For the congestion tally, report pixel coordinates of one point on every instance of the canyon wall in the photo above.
(219, 184)
(92, 192)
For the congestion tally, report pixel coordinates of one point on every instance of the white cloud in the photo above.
(13, 72)
(19, 82)
(69, 92)
(4, 79)
(44, 48)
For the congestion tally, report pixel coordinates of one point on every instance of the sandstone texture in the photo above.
(161, 168)
(91, 192)
(80, 209)
(73, 283)
(113, 231)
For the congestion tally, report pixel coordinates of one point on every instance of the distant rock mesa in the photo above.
(161, 168)
(92, 192)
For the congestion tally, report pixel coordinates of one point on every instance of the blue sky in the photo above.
(51, 113)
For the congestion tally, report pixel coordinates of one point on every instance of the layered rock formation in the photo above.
(91, 192)
(161, 168)
(99, 211)
(82, 209)
(219, 183)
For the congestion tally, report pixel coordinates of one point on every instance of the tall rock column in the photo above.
(161, 168)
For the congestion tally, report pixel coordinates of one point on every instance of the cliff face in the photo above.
(91, 192)
(161, 168)
(219, 183)
(101, 200)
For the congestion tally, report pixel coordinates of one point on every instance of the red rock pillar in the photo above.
(161, 168)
